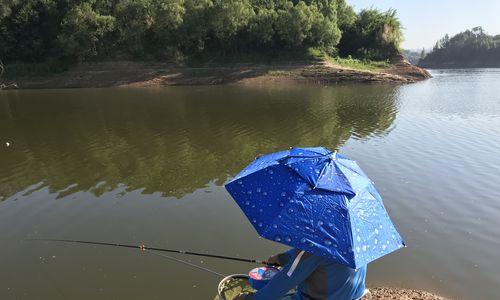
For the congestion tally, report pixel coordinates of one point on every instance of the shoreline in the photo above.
(376, 293)
(151, 74)
(390, 293)
(452, 66)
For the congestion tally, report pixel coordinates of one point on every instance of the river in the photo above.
(148, 166)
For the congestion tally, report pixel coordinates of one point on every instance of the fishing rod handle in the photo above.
(263, 262)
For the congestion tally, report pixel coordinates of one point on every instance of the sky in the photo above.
(427, 21)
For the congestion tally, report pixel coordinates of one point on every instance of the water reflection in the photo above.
(171, 140)
(437, 171)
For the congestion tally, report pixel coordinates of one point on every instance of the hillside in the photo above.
(469, 49)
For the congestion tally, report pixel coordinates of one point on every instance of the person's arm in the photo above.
(282, 258)
(296, 270)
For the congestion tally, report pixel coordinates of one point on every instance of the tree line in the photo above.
(79, 30)
(471, 48)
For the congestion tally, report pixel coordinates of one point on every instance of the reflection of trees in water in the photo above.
(172, 140)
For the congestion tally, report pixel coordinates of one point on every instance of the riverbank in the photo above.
(378, 293)
(388, 293)
(147, 74)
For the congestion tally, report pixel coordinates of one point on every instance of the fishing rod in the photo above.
(144, 248)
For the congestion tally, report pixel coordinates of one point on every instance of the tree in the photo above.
(324, 33)
(83, 31)
(6, 7)
(328, 8)
(133, 19)
(168, 18)
(261, 27)
(294, 24)
(228, 18)
(192, 35)
(39, 30)
(374, 35)
(346, 16)
(469, 48)
(28, 30)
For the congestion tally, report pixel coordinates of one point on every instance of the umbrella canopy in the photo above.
(317, 201)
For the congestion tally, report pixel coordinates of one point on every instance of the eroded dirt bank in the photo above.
(144, 74)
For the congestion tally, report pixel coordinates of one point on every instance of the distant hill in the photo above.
(469, 49)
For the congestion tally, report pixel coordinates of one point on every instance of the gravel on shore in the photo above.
(388, 293)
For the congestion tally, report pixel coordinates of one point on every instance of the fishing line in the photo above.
(186, 263)
(143, 247)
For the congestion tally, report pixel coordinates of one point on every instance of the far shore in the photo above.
(460, 65)
(149, 74)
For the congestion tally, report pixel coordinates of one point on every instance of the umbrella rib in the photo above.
(347, 167)
(321, 173)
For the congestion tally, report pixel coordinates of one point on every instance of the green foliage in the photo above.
(83, 31)
(167, 17)
(324, 34)
(373, 35)
(293, 24)
(349, 62)
(305, 25)
(360, 64)
(345, 15)
(261, 27)
(5, 8)
(134, 19)
(29, 29)
(37, 30)
(469, 48)
(229, 17)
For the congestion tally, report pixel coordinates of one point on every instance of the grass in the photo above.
(349, 62)
(358, 64)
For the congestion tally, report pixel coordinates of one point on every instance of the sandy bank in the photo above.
(145, 74)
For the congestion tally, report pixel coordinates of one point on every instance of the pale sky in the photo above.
(426, 21)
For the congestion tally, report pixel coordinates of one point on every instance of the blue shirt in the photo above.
(315, 278)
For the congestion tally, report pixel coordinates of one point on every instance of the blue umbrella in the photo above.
(317, 201)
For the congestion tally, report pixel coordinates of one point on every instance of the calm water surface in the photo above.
(148, 165)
